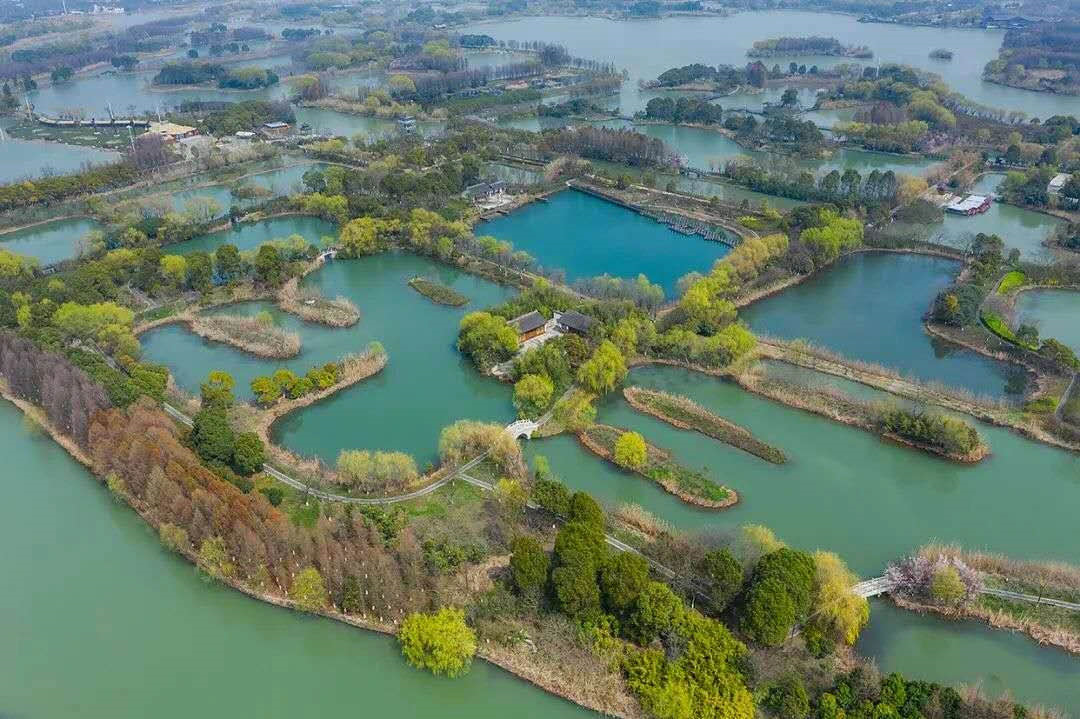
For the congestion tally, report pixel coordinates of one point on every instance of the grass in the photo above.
(1011, 281)
(994, 322)
(440, 294)
(311, 306)
(684, 413)
(249, 334)
(690, 485)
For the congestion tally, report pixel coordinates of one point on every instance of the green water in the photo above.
(249, 235)
(586, 236)
(971, 653)
(1022, 229)
(1055, 312)
(284, 181)
(426, 385)
(23, 159)
(50, 242)
(869, 307)
(99, 621)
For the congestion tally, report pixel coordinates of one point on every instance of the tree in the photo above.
(212, 437)
(604, 370)
(217, 390)
(654, 612)
(767, 613)
(486, 339)
(583, 508)
(227, 263)
(725, 577)
(308, 590)
(790, 98)
(249, 454)
(441, 642)
(838, 611)
(363, 236)
(622, 578)
(62, 74)
(631, 451)
(787, 699)
(528, 565)
(532, 395)
(575, 412)
(946, 587)
(174, 270)
(269, 266)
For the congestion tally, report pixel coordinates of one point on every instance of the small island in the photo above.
(813, 45)
(1042, 58)
(440, 294)
(204, 73)
(941, 54)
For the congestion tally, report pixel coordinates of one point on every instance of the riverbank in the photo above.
(840, 407)
(683, 413)
(689, 486)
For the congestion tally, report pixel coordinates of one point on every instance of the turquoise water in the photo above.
(99, 621)
(869, 307)
(587, 236)
(250, 235)
(50, 242)
(1055, 312)
(426, 385)
(279, 182)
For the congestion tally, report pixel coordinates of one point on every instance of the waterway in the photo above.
(1055, 312)
(277, 183)
(645, 48)
(426, 385)
(28, 159)
(869, 307)
(49, 242)
(144, 635)
(586, 236)
(249, 235)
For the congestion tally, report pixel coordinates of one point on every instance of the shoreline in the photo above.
(671, 488)
(530, 675)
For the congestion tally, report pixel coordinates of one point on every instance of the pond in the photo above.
(1055, 312)
(279, 182)
(24, 159)
(426, 385)
(869, 307)
(249, 235)
(586, 236)
(50, 242)
(143, 634)
(1024, 230)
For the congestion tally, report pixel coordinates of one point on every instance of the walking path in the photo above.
(882, 585)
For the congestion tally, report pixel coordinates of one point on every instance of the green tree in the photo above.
(575, 412)
(529, 565)
(604, 370)
(227, 262)
(654, 611)
(486, 339)
(441, 642)
(248, 454)
(532, 395)
(212, 437)
(622, 578)
(583, 508)
(725, 577)
(217, 390)
(269, 266)
(266, 390)
(630, 451)
(308, 590)
(767, 613)
(787, 699)
(946, 587)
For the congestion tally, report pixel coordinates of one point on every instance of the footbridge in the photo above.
(874, 587)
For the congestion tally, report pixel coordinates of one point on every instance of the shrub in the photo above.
(946, 586)
(465, 439)
(441, 642)
(630, 451)
(173, 537)
(376, 471)
(529, 565)
(308, 590)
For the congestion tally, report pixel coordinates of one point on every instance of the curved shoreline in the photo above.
(670, 487)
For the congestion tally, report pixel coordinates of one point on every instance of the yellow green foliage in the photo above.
(441, 642)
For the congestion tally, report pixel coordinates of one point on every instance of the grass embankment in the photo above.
(997, 324)
(351, 370)
(689, 485)
(311, 306)
(931, 432)
(1011, 281)
(249, 334)
(1046, 624)
(440, 294)
(684, 413)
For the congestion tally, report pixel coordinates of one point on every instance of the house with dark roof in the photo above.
(574, 321)
(528, 325)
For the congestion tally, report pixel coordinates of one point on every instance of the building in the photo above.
(272, 130)
(407, 124)
(484, 190)
(1056, 184)
(246, 135)
(574, 321)
(171, 131)
(529, 325)
(970, 205)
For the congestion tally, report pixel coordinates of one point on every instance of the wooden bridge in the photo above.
(873, 587)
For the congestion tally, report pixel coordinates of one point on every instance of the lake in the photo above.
(50, 242)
